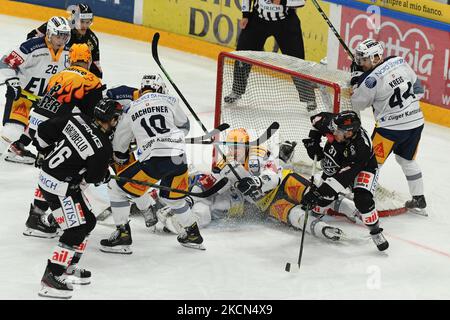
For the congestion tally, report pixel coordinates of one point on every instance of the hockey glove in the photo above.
(13, 89)
(106, 179)
(121, 157)
(287, 150)
(249, 186)
(313, 148)
(311, 198)
(39, 160)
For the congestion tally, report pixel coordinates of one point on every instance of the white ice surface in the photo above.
(241, 262)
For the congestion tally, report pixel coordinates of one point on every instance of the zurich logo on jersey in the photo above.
(370, 82)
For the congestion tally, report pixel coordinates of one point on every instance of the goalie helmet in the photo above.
(79, 12)
(345, 121)
(80, 52)
(369, 48)
(58, 26)
(153, 82)
(240, 153)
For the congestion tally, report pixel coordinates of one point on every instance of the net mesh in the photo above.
(257, 88)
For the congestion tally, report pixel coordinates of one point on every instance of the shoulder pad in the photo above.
(33, 44)
(121, 92)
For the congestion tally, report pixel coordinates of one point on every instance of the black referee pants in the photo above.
(288, 35)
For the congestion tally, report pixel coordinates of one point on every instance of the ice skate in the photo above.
(190, 237)
(18, 154)
(333, 233)
(379, 239)
(38, 226)
(119, 242)
(232, 98)
(55, 286)
(76, 275)
(417, 205)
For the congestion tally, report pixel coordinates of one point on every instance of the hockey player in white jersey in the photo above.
(265, 188)
(28, 67)
(393, 91)
(159, 126)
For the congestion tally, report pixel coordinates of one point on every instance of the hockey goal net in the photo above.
(257, 88)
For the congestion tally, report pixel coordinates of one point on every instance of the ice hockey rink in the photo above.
(242, 261)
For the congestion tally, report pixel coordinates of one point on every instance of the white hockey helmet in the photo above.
(58, 26)
(153, 82)
(368, 48)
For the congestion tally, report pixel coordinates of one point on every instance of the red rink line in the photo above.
(416, 244)
(443, 253)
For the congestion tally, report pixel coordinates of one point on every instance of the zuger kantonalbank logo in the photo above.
(409, 43)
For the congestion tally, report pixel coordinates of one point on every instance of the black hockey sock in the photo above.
(56, 269)
(43, 205)
(24, 139)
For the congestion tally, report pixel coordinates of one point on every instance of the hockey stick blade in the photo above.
(209, 135)
(155, 47)
(205, 194)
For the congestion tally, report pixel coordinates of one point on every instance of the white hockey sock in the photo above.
(120, 206)
(413, 175)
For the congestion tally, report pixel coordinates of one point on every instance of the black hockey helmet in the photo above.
(346, 121)
(107, 109)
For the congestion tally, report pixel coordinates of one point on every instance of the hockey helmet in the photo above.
(58, 26)
(345, 121)
(153, 82)
(80, 52)
(238, 135)
(107, 109)
(369, 48)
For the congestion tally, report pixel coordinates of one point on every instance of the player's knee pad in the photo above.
(115, 193)
(145, 201)
(363, 200)
(409, 167)
(202, 213)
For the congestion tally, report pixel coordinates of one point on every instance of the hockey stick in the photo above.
(263, 138)
(307, 212)
(205, 139)
(338, 36)
(205, 194)
(158, 62)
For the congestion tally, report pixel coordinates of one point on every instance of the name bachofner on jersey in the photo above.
(159, 122)
(393, 91)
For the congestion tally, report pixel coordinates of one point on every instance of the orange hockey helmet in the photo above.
(80, 52)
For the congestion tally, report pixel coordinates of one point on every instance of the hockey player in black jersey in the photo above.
(347, 161)
(80, 154)
(74, 88)
(81, 19)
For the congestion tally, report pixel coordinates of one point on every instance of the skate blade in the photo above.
(20, 161)
(194, 246)
(75, 280)
(420, 212)
(48, 292)
(117, 249)
(39, 234)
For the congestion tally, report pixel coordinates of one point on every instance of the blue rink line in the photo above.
(396, 15)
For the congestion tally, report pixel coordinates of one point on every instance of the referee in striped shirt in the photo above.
(262, 19)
